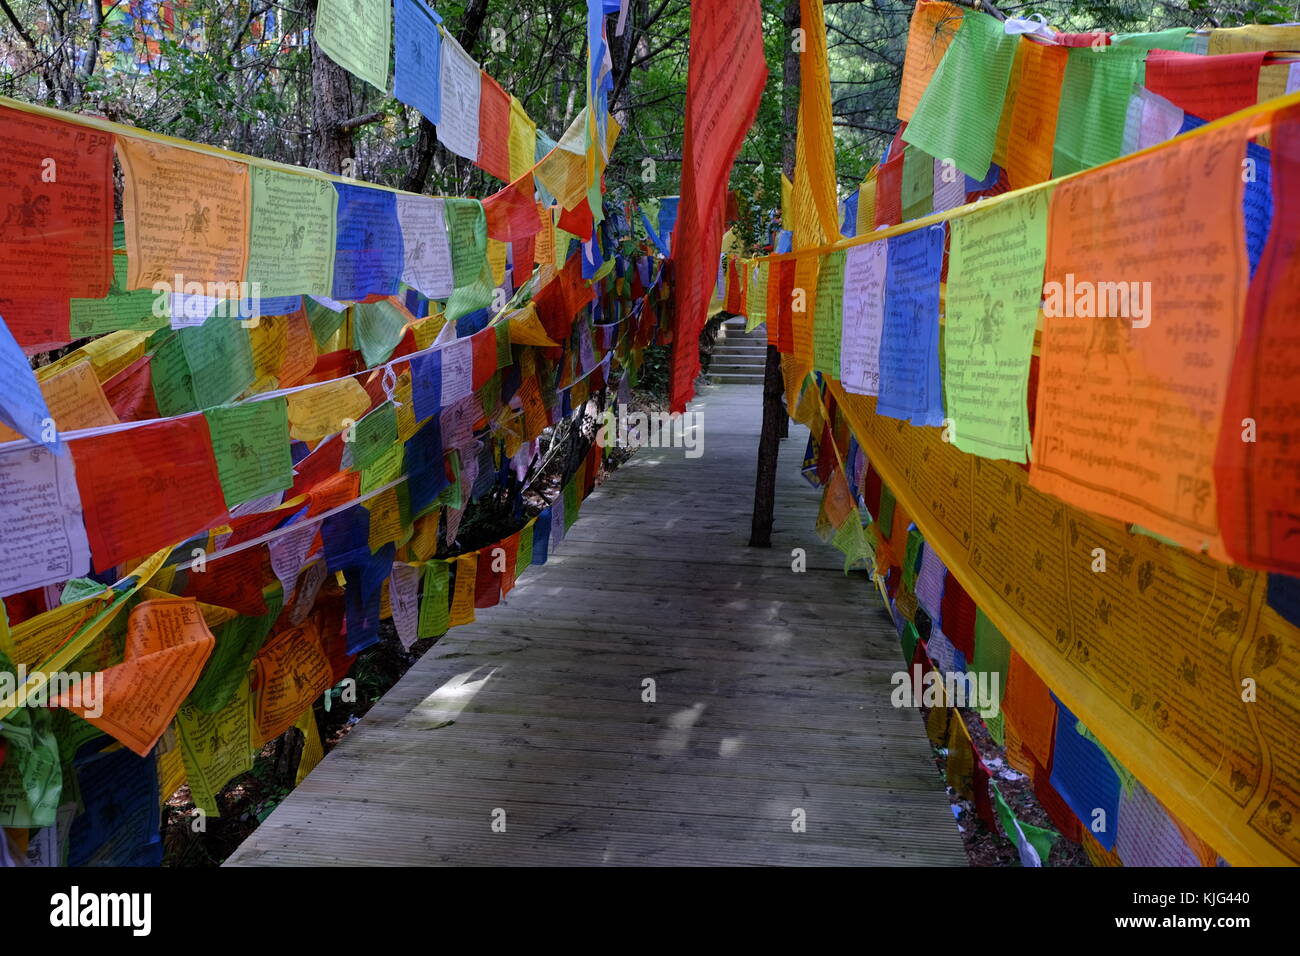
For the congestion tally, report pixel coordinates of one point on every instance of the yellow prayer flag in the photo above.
(527, 329)
(496, 255)
(326, 408)
(462, 600)
(523, 140)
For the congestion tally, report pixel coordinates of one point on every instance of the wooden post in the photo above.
(775, 426)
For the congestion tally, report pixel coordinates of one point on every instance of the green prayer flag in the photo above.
(996, 727)
(169, 374)
(992, 652)
(377, 328)
(503, 344)
(357, 35)
(291, 234)
(31, 777)
(237, 643)
(374, 434)
(886, 517)
(434, 603)
(120, 309)
(572, 502)
(471, 272)
(220, 359)
(524, 556)
(852, 543)
(1174, 38)
(995, 285)
(1095, 93)
(828, 309)
(917, 193)
(912, 558)
(756, 297)
(251, 445)
(1040, 839)
(324, 321)
(958, 115)
(386, 467)
(909, 640)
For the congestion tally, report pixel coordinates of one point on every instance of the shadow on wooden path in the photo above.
(771, 700)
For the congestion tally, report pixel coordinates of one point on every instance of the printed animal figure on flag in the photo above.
(28, 216)
(415, 255)
(988, 331)
(293, 241)
(196, 221)
(1105, 341)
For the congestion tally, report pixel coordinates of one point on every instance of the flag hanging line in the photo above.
(1259, 111)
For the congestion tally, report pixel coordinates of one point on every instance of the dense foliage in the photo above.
(239, 74)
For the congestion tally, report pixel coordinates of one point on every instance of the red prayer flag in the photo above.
(484, 344)
(130, 392)
(725, 79)
(577, 220)
(487, 583)
(493, 128)
(1205, 86)
(1257, 464)
(511, 212)
(56, 234)
(148, 487)
(889, 192)
(233, 581)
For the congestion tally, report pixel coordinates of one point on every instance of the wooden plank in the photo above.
(772, 695)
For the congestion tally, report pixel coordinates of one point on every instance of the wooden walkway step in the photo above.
(771, 699)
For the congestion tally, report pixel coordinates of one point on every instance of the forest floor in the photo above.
(991, 847)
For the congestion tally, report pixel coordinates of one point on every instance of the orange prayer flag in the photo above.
(1029, 708)
(816, 214)
(167, 644)
(931, 31)
(146, 488)
(1136, 349)
(289, 673)
(1033, 120)
(186, 215)
(299, 349)
(544, 248)
(536, 419)
(803, 300)
(1003, 137)
(838, 500)
(75, 399)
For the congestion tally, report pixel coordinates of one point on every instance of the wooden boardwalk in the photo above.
(771, 697)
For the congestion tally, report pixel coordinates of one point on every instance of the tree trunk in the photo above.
(331, 104)
(775, 425)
